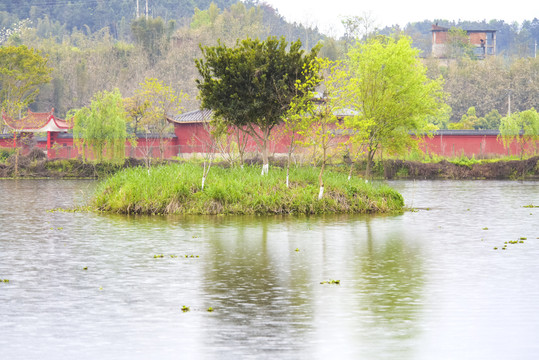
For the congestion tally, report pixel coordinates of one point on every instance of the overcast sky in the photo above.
(327, 14)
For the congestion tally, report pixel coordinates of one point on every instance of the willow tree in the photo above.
(251, 85)
(101, 127)
(391, 93)
(522, 128)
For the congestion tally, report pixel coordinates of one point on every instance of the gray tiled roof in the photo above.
(204, 115)
(197, 116)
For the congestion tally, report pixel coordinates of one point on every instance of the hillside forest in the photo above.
(93, 46)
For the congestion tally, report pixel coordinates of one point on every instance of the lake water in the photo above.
(422, 285)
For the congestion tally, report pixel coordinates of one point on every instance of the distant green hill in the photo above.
(97, 14)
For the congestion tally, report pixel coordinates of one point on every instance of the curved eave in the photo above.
(40, 122)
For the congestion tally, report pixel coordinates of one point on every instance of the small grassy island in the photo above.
(176, 189)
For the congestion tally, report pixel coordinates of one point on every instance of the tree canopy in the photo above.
(252, 84)
(101, 127)
(522, 127)
(391, 92)
(22, 72)
(153, 102)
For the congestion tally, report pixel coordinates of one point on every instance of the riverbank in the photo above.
(36, 165)
(176, 189)
(466, 169)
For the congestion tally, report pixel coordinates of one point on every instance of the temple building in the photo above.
(37, 123)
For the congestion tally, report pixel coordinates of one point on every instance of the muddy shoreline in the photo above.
(499, 170)
(36, 165)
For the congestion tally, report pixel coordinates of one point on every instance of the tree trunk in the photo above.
(288, 172)
(17, 162)
(290, 149)
(265, 157)
(369, 162)
(320, 180)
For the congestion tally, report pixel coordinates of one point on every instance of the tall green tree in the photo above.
(391, 93)
(22, 72)
(101, 127)
(252, 84)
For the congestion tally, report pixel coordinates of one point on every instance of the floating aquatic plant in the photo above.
(175, 256)
(334, 282)
(210, 309)
(85, 268)
(185, 308)
(77, 209)
(485, 228)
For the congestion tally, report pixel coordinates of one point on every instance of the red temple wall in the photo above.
(193, 138)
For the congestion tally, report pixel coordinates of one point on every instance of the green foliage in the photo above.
(152, 34)
(299, 116)
(485, 85)
(522, 127)
(470, 120)
(251, 85)
(440, 120)
(463, 160)
(153, 102)
(101, 127)
(204, 18)
(490, 121)
(318, 129)
(22, 72)
(175, 188)
(458, 44)
(391, 93)
(156, 100)
(6, 153)
(98, 14)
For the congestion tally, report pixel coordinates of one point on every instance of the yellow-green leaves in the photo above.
(391, 93)
(100, 127)
(522, 127)
(22, 72)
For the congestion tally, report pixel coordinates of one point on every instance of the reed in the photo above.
(176, 189)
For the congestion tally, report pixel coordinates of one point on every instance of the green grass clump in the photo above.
(176, 189)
